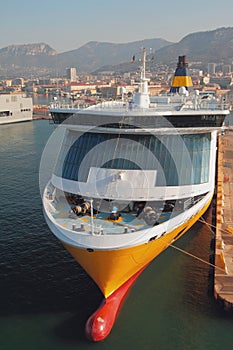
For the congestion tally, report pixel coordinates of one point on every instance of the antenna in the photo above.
(141, 98)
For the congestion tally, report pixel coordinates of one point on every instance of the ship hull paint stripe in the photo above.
(99, 325)
(111, 268)
(182, 81)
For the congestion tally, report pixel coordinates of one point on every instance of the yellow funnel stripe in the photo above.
(182, 81)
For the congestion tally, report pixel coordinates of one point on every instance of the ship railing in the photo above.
(75, 224)
(118, 106)
(95, 229)
(214, 103)
(210, 105)
(58, 105)
(48, 203)
(50, 199)
(85, 227)
(204, 105)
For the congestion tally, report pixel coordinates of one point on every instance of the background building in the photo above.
(226, 69)
(71, 74)
(211, 68)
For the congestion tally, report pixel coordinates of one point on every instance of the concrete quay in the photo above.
(223, 274)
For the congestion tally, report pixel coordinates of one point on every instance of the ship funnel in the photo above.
(182, 62)
(181, 77)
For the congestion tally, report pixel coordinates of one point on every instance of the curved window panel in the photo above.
(180, 159)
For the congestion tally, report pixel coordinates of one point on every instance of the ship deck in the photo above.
(99, 223)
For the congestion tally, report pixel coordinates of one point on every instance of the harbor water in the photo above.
(46, 297)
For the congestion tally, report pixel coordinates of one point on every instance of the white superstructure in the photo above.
(15, 107)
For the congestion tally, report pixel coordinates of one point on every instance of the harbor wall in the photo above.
(223, 274)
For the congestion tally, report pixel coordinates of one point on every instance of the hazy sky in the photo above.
(69, 24)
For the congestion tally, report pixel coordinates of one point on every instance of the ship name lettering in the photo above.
(208, 117)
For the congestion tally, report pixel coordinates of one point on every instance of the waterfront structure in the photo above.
(223, 273)
(15, 108)
(131, 178)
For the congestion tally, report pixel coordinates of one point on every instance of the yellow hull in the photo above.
(111, 268)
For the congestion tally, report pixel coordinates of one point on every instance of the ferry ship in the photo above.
(131, 177)
(15, 108)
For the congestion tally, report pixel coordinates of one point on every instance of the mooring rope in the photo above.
(221, 229)
(203, 221)
(196, 257)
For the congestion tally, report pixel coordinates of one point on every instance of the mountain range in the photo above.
(201, 47)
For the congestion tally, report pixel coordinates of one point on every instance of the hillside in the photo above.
(42, 60)
(94, 55)
(212, 46)
(28, 54)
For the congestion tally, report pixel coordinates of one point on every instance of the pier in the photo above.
(40, 112)
(223, 275)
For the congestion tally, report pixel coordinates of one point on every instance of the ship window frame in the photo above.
(75, 149)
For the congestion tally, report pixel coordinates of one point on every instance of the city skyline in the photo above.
(69, 25)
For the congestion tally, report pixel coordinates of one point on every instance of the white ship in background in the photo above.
(15, 108)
